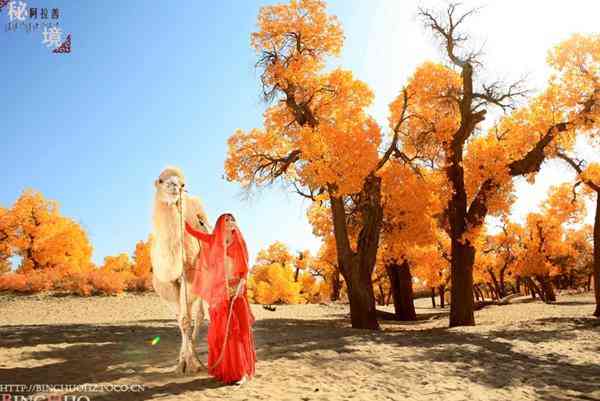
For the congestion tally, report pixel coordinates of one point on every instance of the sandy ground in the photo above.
(523, 351)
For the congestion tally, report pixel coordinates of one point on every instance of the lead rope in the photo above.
(220, 358)
(183, 278)
(230, 310)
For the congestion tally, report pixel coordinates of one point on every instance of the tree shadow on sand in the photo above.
(488, 359)
(122, 353)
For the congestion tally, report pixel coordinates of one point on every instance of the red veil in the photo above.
(209, 280)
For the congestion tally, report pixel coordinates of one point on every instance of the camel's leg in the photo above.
(169, 293)
(198, 313)
(191, 362)
(195, 308)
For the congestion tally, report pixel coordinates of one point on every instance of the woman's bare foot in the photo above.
(242, 381)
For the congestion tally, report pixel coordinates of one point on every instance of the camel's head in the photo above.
(169, 184)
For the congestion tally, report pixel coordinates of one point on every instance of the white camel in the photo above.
(168, 260)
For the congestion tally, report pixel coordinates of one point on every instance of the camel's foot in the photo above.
(189, 365)
(180, 367)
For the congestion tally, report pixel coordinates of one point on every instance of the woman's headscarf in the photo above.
(210, 279)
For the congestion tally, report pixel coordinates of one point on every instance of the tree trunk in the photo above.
(518, 284)
(388, 298)
(597, 255)
(546, 288)
(442, 290)
(540, 288)
(461, 292)
(494, 285)
(381, 298)
(481, 294)
(336, 285)
(477, 293)
(433, 297)
(556, 282)
(357, 267)
(362, 300)
(492, 291)
(533, 288)
(502, 287)
(402, 291)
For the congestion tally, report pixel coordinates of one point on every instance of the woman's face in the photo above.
(230, 223)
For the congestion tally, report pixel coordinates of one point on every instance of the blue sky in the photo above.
(144, 86)
(149, 84)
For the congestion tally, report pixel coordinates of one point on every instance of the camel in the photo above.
(166, 257)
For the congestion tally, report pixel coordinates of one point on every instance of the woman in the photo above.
(221, 281)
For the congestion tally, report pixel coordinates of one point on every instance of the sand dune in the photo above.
(522, 351)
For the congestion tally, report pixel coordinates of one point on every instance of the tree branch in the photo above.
(577, 166)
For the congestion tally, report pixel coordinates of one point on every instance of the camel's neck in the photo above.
(167, 241)
(166, 221)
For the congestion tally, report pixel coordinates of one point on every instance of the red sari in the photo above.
(230, 355)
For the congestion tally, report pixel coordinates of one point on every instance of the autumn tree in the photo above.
(484, 274)
(271, 279)
(277, 252)
(317, 137)
(432, 266)
(479, 169)
(325, 263)
(406, 224)
(45, 239)
(544, 246)
(6, 230)
(503, 248)
(118, 263)
(590, 177)
(575, 266)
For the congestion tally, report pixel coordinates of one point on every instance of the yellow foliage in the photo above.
(317, 34)
(430, 90)
(278, 277)
(545, 249)
(119, 263)
(429, 264)
(274, 283)
(142, 262)
(407, 222)
(591, 175)
(276, 253)
(43, 238)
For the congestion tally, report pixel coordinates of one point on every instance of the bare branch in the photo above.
(448, 31)
(503, 98)
(310, 195)
(394, 145)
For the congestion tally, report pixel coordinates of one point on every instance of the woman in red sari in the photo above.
(221, 281)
